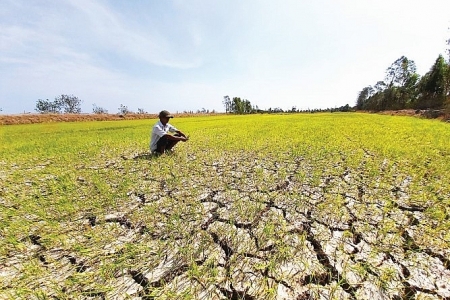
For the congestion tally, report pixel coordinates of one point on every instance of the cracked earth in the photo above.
(250, 227)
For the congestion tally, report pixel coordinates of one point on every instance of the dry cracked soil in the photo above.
(250, 228)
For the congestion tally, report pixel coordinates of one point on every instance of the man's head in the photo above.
(164, 116)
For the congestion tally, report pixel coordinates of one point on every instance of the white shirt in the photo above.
(158, 131)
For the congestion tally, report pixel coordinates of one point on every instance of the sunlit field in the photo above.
(301, 206)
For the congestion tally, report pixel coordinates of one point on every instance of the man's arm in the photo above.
(182, 134)
(181, 137)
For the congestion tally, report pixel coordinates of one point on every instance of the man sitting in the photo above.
(161, 141)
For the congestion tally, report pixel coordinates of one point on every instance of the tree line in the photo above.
(403, 88)
(238, 105)
(243, 106)
(70, 104)
(61, 104)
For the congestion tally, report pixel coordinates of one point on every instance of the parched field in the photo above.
(323, 206)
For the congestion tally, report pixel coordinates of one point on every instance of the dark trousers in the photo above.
(165, 143)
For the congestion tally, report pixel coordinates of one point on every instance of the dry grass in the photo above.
(420, 113)
(53, 118)
(49, 118)
(341, 209)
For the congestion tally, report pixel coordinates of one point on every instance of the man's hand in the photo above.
(183, 137)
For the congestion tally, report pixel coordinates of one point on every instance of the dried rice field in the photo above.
(343, 206)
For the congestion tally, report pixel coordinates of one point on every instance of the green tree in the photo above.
(70, 104)
(363, 96)
(237, 106)
(123, 110)
(401, 79)
(447, 82)
(98, 110)
(63, 103)
(380, 86)
(408, 92)
(47, 107)
(248, 109)
(400, 72)
(227, 103)
(433, 87)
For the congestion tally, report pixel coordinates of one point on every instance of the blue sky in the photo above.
(186, 55)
